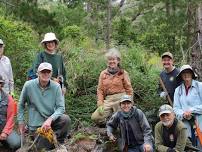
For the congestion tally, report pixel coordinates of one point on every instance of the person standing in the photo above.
(50, 55)
(46, 107)
(6, 70)
(188, 102)
(113, 83)
(168, 76)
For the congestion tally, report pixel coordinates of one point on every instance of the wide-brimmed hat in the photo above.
(1, 79)
(44, 66)
(186, 67)
(1, 42)
(168, 54)
(165, 109)
(49, 37)
(126, 98)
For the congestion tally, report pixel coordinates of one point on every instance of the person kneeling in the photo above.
(170, 133)
(135, 132)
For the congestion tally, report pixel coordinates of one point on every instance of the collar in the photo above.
(48, 85)
(193, 84)
(171, 70)
(3, 57)
(120, 72)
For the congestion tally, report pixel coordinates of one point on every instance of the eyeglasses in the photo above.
(1, 45)
(165, 114)
(49, 42)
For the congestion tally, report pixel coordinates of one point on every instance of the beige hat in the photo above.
(1, 42)
(165, 109)
(167, 54)
(126, 98)
(49, 37)
(44, 66)
(186, 67)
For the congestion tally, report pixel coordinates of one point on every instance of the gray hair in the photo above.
(113, 52)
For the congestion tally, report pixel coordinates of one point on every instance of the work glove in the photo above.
(163, 95)
(101, 110)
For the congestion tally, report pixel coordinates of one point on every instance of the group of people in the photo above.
(174, 132)
(43, 96)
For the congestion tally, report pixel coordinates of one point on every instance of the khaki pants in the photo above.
(111, 105)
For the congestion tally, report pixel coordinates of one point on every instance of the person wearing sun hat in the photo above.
(50, 55)
(135, 132)
(170, 133)
(46, 107)
(168, 76)
(188, 101)
(6, 70)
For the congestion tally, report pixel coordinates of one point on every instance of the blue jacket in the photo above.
(190, 102)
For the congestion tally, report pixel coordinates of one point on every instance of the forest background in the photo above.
(141, 29)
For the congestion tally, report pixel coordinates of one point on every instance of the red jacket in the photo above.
(10, 116)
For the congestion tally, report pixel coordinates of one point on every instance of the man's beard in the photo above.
(167, 123)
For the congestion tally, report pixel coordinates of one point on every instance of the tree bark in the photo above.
(196, 54)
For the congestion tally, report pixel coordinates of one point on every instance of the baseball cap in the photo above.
(167, 54)
(44, 66)
(126, 98)
(165, 109)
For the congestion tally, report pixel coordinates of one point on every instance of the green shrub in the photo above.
(21, 45)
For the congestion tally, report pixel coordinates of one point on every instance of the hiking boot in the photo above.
(61, 148)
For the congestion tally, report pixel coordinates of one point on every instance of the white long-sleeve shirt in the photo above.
(7, 74)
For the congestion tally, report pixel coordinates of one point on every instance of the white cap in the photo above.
(126, 98)
(49, 37)
(165, 109)
(44, 66)
(1, 41)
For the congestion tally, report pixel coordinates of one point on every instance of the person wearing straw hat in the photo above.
(50, 55)
(188, 101)
(135, 132)
(6, 70)
(170, 133)
(168, 76)
(46, 107)
(8, 137)
(113, 83)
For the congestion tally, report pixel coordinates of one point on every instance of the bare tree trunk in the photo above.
(108, 32)
(196, 54)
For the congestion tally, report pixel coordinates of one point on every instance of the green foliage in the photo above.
(42, 20)
(20, 41)
(72, 33)
(123, 31)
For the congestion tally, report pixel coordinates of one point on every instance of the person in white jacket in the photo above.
(6, 70)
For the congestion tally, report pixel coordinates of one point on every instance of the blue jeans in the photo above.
(12, 141)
